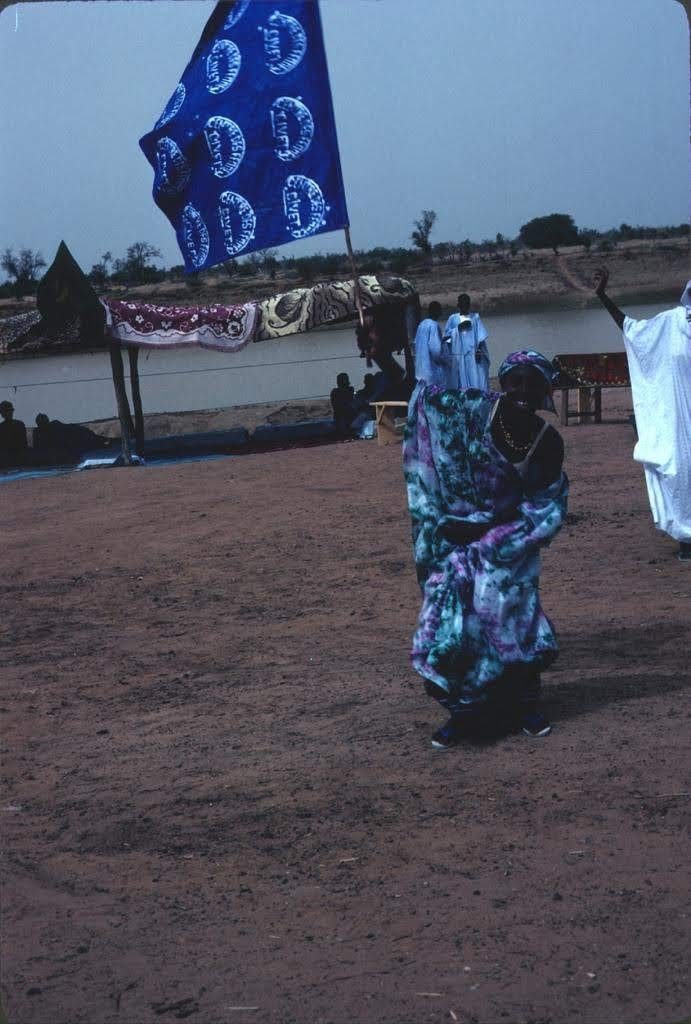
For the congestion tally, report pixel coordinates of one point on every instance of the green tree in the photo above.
(423, 229)
(22, 267)
(549, 232)
(136, 266)
(446, 252)
(270, 262)
(332, 263)
(254, 260)
(400, 260)
(246, 268)
(98, 274)
(230, 267)
(305, 267)
(467, 249)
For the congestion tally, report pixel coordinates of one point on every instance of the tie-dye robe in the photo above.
(481, 611)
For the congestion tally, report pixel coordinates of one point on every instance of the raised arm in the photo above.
(600, 283)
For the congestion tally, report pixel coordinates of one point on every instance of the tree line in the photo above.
(138, 265)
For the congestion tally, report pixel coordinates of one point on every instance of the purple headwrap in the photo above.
(529, 357)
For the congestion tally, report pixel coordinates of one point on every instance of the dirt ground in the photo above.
(220, 803)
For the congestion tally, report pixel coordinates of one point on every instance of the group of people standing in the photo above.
(456, 357)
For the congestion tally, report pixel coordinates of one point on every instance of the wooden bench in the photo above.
(587, 374)
(386, 421)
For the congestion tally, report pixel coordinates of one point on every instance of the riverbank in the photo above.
(531, 281)
(539, 281)
(218, 786)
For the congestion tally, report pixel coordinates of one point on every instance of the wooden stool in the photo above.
(588, 403)
(386, 421)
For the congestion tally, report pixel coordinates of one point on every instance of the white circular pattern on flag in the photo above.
(292, 126)
(172, 169)
(239, 8)
(195, 235)
(282, 28)
(238, 222)
(172, 106)
(222, 66)
(304, 206)
(226, 145)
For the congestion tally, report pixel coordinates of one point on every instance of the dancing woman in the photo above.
(486, 491)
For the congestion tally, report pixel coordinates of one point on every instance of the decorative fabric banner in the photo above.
(225, 328)
(15, 329)
(245, 153)
(304, 309)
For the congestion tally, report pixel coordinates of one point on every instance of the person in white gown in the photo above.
(470, 355)
(659, 357)
(432, 355)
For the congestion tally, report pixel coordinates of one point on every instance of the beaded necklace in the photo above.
(521, 448)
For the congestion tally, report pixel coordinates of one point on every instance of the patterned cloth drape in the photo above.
(227, 328)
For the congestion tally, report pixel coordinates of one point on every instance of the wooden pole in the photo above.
(133, 354)
(123, 405)
(356, 278)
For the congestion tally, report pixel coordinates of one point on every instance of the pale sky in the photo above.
(490, 112)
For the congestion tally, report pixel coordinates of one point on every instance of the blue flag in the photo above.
(245, 153)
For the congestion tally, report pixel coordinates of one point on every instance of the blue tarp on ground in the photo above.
(219, 444)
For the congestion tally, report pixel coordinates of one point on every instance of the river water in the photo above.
(79, 388)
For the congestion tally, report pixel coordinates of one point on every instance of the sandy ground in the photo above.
(220, 802)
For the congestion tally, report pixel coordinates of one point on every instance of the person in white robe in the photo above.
(469, 361)
(468, 336)
(432, 355)
(659, 357)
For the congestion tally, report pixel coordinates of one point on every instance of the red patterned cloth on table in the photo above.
(226, 328)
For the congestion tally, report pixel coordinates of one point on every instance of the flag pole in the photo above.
(356, 278)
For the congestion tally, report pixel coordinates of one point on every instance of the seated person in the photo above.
(42, 438)
(14, 446)
(72, 438)
(366, 395)
(362, 405)
(342, 403)
(380, 386)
